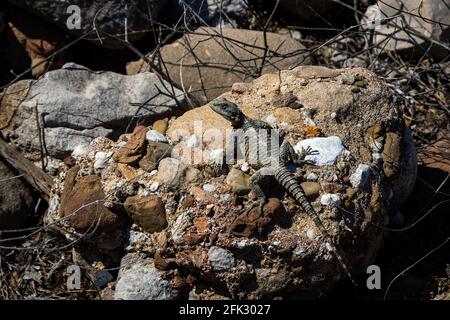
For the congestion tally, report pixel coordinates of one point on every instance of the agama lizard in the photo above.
(268, 160)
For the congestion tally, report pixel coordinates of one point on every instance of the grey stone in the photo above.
(361, 177)
(139, 280)
(220, 259)
(270, 282)
(415, 23)
(226, 12)
(76, 105)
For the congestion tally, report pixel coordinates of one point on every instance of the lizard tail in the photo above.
(289, 182)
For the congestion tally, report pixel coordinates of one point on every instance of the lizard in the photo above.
(275, 163)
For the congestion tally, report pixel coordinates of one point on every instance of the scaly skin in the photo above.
(274, 163)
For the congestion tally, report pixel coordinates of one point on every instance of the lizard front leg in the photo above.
(255, 184)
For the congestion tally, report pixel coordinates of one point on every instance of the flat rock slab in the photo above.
(73, 105)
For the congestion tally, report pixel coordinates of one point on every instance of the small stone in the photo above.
(154, 186)
(360, 179)
(348, 79)
(102, 278)
(209, 187)
(220, 259)
(148, 212)
(155, 136)
(391, 154)
(271, 282)
(271, 118)
(201, 195)
(139, 280)
(80, 150)
(169, 171)
(286, 100)
(245, 167)
(132, 151)
(329, 148)
(310, 234)
(126, 171)
(312, 189)
(331, 187)
(252, 223)
(240, 87)
(330, 200)
(83, 206)
(226, 197)
(202, 225)
(156, 151)
(161, 125)
(311, 176)
(238, 181)
(375, 131)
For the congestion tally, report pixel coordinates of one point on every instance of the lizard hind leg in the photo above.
(255, 180)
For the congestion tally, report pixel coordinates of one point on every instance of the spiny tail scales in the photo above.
(288, 181)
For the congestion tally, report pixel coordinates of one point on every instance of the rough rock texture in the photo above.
(226, 12)
(109, 16)
(140, 280)
(75, 105)
(16, 200)
(82, 205)
(417, 22)
(213, 247)
(216, 63)
(147, 212)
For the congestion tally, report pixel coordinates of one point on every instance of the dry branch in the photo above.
(37, 178)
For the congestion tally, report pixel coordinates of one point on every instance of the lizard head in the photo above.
(228, 110)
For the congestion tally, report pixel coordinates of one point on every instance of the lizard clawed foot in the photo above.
(258, 203)
(307, 152)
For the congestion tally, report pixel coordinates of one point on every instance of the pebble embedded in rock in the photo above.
(310, 234)
(139, 280)
(330, 200)
(360, 179)
(312, 189)
(148, 212)
(155, 136)
(169, 171)
(329, 148)
(238, 181)
(161, 125)
(209, 187)
(154, 186)
(220, 259)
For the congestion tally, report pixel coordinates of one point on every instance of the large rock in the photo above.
(366, 154)
(16, 200)
(411, 26)
(222, 244)
(140, 280)
(75, 105)
(207, 62)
